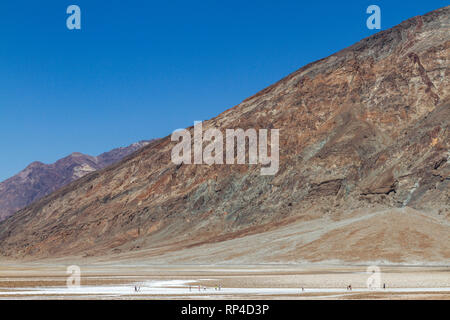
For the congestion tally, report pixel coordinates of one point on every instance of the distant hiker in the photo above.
(303, 289)
(384, 285)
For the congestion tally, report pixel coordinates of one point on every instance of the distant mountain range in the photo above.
(39, 179)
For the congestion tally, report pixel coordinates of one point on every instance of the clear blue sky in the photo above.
(140, 69)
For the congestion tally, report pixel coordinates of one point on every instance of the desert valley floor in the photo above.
(114, 281)
(269, 265)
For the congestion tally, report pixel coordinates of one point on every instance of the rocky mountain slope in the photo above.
(39, 179)
(362, 132)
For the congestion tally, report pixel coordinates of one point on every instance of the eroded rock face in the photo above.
(39, 179)
(364, 128)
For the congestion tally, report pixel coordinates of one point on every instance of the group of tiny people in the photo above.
(137, 288)
(349, 287)
(217, 288)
